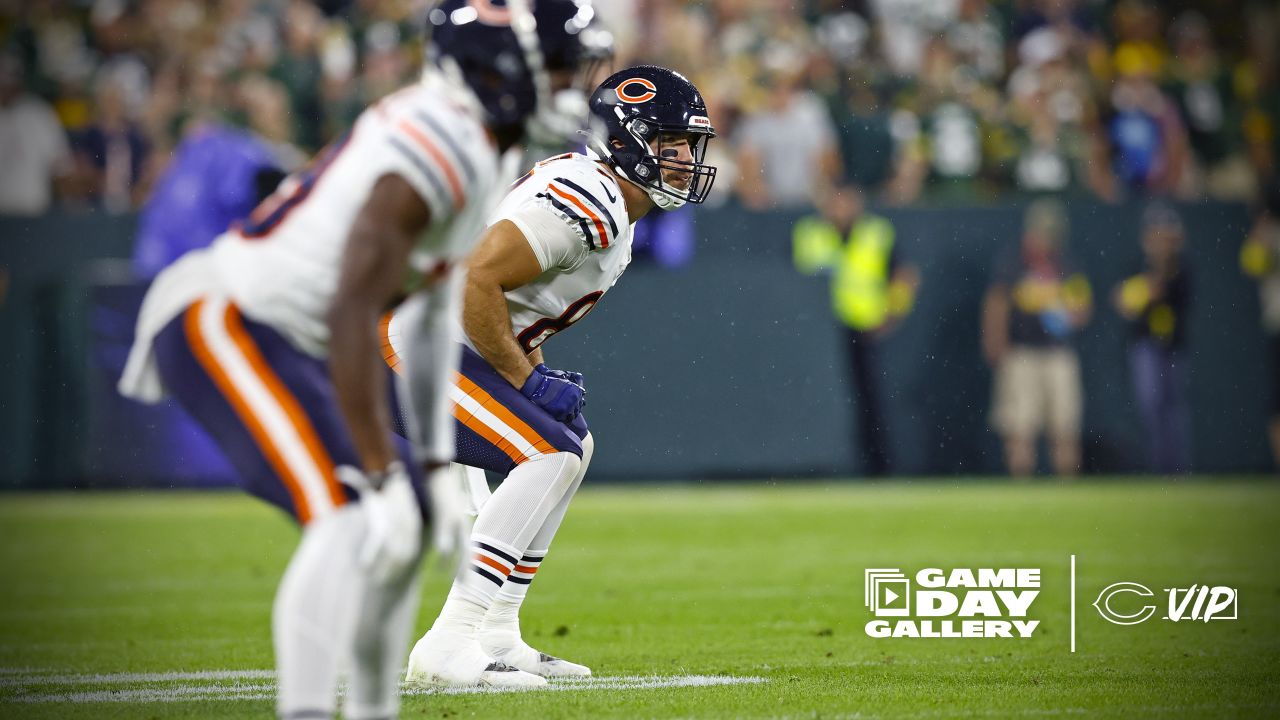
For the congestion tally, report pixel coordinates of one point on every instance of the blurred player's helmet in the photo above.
(644, 104)
(504, 51)
(581, 54)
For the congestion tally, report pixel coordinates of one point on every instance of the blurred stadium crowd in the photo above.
(916, 100)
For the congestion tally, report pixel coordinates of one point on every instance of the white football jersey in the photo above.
(570, 209)
(281, 266)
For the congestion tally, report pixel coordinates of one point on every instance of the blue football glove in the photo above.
(562, 399)
(573, 377)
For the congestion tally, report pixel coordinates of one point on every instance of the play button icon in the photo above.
(890, 596)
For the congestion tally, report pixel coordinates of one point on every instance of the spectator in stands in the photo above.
(869, 152)
(1201, 86)
(1054, 120)
(265, 105)
(1033, 307)
(906, 28)
(33, 145)
(872, 289)
(1260, 259)
(1156, 302)
(298, 69)
(111, 153)
(1258, 78)
(1149, 147)
(977, 41)
(792, 136)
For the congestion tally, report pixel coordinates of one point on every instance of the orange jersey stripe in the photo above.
(473, 423)
(493, 564)
(526, 569)
(604, 238)
(297, 416)
(200, 349)
(488, 402)
(455, 185)
(389, 354)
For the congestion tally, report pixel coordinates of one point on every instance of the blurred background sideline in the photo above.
(947, 236)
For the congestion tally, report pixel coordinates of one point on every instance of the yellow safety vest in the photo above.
(860, 286)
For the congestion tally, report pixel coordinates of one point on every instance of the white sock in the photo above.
(315, 614)
(504, 612)
(506, 525)
(384, 628)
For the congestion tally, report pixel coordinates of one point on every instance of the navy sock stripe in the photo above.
(496, 551)
(488, 575)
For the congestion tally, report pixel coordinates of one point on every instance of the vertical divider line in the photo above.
(1073, 603)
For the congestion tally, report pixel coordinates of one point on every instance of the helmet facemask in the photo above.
(659, 159)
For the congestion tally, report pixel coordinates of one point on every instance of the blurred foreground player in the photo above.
(270, 339)
(559, 240)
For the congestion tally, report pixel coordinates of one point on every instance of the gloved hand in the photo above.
(573, 377)
(393, 535)
(561, 398)
(451, 516)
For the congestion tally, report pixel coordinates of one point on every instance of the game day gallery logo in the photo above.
(956, 603)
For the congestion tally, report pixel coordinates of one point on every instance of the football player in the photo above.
(559, 240)
(269, 338)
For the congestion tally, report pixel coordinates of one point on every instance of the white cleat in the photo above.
(507, 647)
(446, 659)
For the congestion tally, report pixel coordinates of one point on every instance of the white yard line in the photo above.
(622, 682)
(209, 685)
(28, 678)
(180, 693)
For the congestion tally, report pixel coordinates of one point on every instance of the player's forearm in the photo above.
(488, 325)
(427, 334)
(372, 267)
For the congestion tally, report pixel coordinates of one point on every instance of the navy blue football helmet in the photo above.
(636, 111)
(504, 52)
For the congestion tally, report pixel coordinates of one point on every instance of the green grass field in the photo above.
(107, 597)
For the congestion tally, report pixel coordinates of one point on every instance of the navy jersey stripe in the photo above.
(569, 212)
(603, 210)
(427, 171)
(448, 140)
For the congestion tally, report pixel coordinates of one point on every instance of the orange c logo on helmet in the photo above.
(647, 92)
(489, 14)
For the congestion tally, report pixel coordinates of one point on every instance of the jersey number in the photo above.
(292, 191)
(537, 333)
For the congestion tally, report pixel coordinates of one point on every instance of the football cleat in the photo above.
(447, 659)
(507, 647)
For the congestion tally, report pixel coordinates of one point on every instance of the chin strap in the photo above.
(665, 201)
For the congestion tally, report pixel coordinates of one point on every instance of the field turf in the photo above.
(157, 605)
